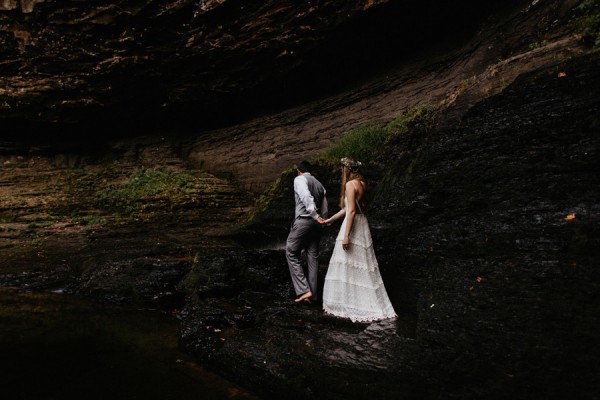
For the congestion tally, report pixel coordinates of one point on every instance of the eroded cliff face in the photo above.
(128, 65)
(116, 69)
(250, 88)
(450, 74)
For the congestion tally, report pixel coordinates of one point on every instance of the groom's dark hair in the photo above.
(304, 166)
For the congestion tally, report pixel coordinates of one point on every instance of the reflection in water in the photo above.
(57, 347)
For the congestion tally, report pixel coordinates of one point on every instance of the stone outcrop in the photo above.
(115, 69)
(253, 88)
(454, 78)
(257, 151)
(130, 65)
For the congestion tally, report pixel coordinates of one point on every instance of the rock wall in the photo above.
(217, 75)
(453, 78)
(123, 68)
(494, 224)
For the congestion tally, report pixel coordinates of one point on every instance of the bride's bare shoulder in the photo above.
(358, 185)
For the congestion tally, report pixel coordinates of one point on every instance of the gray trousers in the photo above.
(304, 235)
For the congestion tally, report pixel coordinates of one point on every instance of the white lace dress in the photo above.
(353, 285)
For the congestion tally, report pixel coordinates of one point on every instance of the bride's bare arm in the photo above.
(337, 216)
(351, 212)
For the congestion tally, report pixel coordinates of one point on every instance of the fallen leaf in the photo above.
(562, 74)
(570, 217)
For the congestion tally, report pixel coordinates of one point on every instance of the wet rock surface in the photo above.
(123, 228)
(500, 236)
(280, 347)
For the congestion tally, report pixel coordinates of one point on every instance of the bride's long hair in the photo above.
(350, 171)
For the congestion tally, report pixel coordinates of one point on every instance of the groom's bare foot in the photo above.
(305, 296)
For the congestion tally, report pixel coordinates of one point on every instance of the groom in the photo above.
(305, 234)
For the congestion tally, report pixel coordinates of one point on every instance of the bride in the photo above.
(353, 285)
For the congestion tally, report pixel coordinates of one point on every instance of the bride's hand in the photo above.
(346, 244)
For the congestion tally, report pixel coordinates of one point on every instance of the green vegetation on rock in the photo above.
(275, 191)
(148, 189)
(368, 142)
(588, 21)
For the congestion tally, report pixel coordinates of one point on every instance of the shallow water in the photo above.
(54, 346)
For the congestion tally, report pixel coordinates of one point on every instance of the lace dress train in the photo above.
(353, 285)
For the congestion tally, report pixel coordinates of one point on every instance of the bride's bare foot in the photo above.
(305, 296)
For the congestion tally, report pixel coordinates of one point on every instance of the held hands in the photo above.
(325, 222)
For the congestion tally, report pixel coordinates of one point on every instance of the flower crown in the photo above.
(350, 163)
